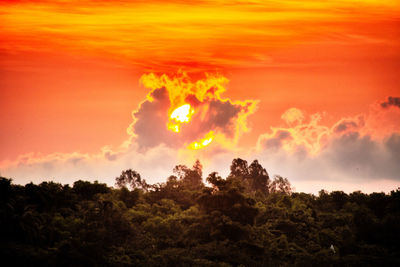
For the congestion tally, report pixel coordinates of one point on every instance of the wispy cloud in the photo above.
(163, 36)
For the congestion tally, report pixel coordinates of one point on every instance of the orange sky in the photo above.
(70, 70)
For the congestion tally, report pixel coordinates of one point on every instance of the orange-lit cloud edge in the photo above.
(360, 149)
(356, 149)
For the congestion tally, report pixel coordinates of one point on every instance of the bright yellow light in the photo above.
(181, 114)
(203, 142)
(207, 141)
(174, 127)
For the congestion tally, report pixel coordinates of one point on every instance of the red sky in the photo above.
(70, 71)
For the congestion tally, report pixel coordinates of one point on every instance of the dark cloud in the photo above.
(392, 101)
(150, 120)
(363, 157)
(393, 146)
(349, 124)
(351, 151)
(275, 142)
(344, 158)
(220, 113)
(345, 125)
(220, 116)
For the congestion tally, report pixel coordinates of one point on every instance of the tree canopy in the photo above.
(245, 219)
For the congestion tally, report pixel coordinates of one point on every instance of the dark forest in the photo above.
(245, 219)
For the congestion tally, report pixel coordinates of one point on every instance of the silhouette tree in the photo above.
(216, 181)
(181, 171)
(132, 179)
(239, 168)
(180, 223)
(258, 177)
(197, 167)
(254, 178)
(190, 178)
(87, 190)
(280, 185)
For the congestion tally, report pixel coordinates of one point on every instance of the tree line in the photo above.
(244, 219)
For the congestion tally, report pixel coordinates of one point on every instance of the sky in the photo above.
(311, 89)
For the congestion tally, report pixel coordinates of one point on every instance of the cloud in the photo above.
(392, 101)
(211, 112)
(151, 149)
(358, 152)
(154, 165)
(349, 124)
(380, 122)
(276, 140)
(363, 158)
(349, 162)
(349, 153)
(310, 136)
(293, 115)
(150, 121)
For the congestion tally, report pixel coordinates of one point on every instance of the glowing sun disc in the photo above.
(181, 114)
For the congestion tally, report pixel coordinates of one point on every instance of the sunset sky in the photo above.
(309, 88)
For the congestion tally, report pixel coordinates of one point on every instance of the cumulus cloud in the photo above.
(359, 152)
(392, 101)
(150, 121)
(349, 124)
(210, 111)
(276, 140)
(293, 115)
(349, 153)
(310, 136)
(152, 149)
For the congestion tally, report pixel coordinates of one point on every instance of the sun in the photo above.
(180, 115)
(183, 114)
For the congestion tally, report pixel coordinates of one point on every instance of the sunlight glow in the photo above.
(203, 142)
(180, 115)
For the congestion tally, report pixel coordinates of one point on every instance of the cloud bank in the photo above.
(359, 152)
(351, 152)
(152, 148)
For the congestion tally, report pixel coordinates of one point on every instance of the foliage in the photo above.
(243, 220)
